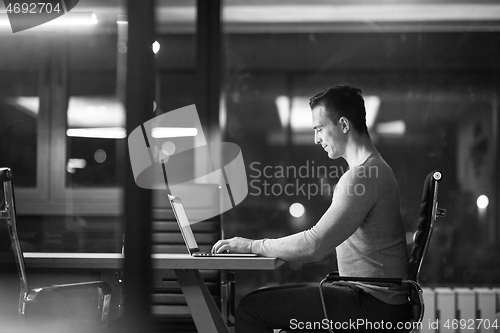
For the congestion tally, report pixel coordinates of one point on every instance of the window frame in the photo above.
(51, 196)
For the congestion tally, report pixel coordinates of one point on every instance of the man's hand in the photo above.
(233, 245)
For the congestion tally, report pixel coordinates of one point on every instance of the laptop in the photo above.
(188, 235)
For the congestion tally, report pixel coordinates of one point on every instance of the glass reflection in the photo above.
(432, 103)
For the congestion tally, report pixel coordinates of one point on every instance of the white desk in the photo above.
(206, 315)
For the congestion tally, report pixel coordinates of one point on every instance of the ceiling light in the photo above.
(97, 133)
(283, 104)
(396, 128)
(372, 105)
(29, 103)
(70, 20)
(300, 116)
(95, 111)
(173, 132)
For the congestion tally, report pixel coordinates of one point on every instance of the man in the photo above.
(363, 224)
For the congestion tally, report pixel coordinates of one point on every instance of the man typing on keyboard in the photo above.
(363, 225)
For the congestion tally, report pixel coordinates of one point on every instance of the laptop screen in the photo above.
(181, 217)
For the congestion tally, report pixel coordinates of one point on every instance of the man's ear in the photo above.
(344, 122)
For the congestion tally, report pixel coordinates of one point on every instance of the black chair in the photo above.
(429, 211)
(26, 296)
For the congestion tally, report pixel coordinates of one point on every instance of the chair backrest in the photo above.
(9, 215)
(428, 214)
(429, 211)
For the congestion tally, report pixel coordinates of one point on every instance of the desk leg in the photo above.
(206, 315)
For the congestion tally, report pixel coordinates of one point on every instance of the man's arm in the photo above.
(352, 200)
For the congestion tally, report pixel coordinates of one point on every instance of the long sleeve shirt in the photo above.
(363, 224)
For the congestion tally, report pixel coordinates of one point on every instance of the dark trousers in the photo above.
(298, 308)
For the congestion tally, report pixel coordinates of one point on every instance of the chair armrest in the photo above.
(105, 288)
(333, 277)
(5, 174)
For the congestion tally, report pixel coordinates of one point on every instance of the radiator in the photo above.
(458, 310)
(461, 310)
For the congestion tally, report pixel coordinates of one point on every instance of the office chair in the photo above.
(429, 211)
(26, 296)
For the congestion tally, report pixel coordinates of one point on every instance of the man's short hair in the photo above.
(343, 101)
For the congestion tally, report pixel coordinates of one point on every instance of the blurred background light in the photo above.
(482, 201)
(298, 113)
(297, 209)
(173, 132)
(156, 47)
(391, 128)
(97, 133)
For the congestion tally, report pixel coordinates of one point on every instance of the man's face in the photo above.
(328, 135)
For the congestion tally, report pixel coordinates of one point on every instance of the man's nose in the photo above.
(317, 140)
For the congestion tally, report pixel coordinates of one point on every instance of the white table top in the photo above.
(159, 261)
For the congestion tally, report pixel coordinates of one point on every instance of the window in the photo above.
(23, 114)
(57, 172)
(432, 103)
